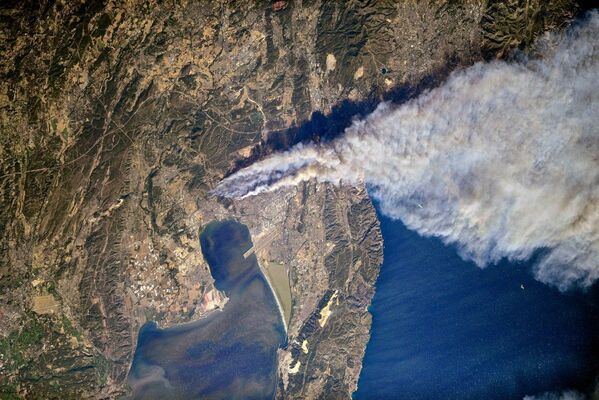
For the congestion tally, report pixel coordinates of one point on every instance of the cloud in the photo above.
(566, 395)
(502, 160)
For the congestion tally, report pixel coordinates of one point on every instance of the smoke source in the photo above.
(502, 160)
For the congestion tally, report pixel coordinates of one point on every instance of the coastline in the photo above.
(274, 293)
(413, 318)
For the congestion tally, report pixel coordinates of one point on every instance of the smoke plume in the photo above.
(502, 160)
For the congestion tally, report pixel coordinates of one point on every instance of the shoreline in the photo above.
(264, 272)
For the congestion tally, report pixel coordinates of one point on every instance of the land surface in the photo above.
(279, 278)
(117, 118)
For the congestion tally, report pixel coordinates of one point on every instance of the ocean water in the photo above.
(229, 354)
(445, 329)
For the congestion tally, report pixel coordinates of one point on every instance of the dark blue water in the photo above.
(229, 354)
(445, 329)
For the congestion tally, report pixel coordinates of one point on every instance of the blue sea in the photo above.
(230, 354)
(442, 329)
(446, 329)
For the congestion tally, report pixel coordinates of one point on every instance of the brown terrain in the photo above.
(117, 118)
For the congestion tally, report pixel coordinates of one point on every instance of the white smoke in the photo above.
(502, 160)
(566, 395)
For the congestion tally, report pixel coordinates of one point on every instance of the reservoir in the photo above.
(445, 329)
(230, 353)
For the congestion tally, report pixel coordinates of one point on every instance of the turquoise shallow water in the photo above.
(445, 329)
(231, 353)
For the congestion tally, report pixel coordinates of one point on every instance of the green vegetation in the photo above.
(8, 392)
(103, 367)
(52, 290)
(31, 336)
(21, 352)
(69, 329)
(14, 348)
